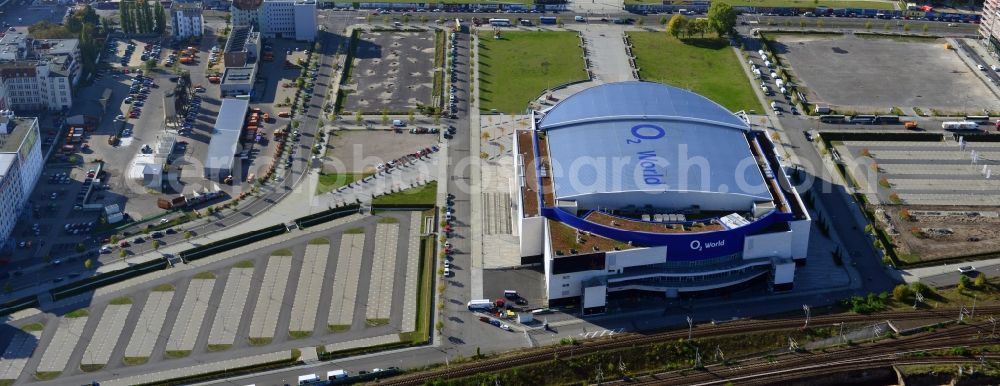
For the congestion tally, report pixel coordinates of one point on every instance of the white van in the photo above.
(336, 374)
(398, 123)
(579, 18)
(307, 379)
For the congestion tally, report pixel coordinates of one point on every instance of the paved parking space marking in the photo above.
(17, 354)
(383, 272)
(230, 313)
(272, 291)
(345, 280)
(306, 302)
(149, 325)
(412, 266)
(61, 347)
(190, 316)
(106, 335)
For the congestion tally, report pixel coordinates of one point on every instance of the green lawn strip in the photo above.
(91, 368)
(219, 347)
(165, 287)
(425, 295)
(354, 231)
(7, 382)
(319, 241)
(32, 327)
(525, 2)
(376, 322)
(811, 3)
(295, 354)
(79, 313)
(204, 275)
(440, 48)
(244, 264)
(518, 67)
(331, 181)
(299, 334)
(706, 66)
(135, 361)
(260, 341)
(421, 195)
(338, 327)
(47, 375)
(388, 220)
(174, 354)
(282, 252)
(121, 300)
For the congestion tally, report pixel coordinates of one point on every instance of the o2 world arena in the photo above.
(641, 187)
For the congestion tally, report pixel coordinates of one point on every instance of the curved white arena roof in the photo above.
(648, 137)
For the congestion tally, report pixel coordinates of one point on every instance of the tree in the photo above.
(161, 18)
(638, 22)
(677, 26)
(924, 28)
(980, 281)
(901, 292)
(868, 25)
(122, 253)
(906, 27)
(964, 282)
(358, 117)
(385, 117)
(697, 26)
(187, 234)
(410, 117)
(721, 18)
(88, 264)
(149, 65)
(105, 25)
(156, 244)
(663, 20)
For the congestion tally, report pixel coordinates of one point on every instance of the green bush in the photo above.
(867, 304)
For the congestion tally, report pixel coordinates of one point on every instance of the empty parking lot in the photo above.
(868, 74)
(223, 310)
(392, 71)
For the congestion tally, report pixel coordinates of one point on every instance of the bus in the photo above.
(863, 119)
(547, 20)
(500, 22)
(480, 305)
(887, 119)
(832, 118)
(978, 118)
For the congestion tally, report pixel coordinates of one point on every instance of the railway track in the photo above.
(632, 339)
(804, 364)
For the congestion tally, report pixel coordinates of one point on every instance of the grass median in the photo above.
(518, 67)
(706, 66)
(421, 195)
(332, 181)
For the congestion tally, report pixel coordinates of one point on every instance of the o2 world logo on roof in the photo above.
(647, 158)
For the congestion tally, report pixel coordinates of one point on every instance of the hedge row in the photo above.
(227, 373)
(18, 305)
(876, 136)
(107, 278)
(326, 215)
(405, 207)
(232, 242)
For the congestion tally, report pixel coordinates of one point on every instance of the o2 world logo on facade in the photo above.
(696, 245)
(647, 158)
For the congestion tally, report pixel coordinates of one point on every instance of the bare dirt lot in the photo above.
(945, 232)
(869, 74)
(393, 71)
(355, 151)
